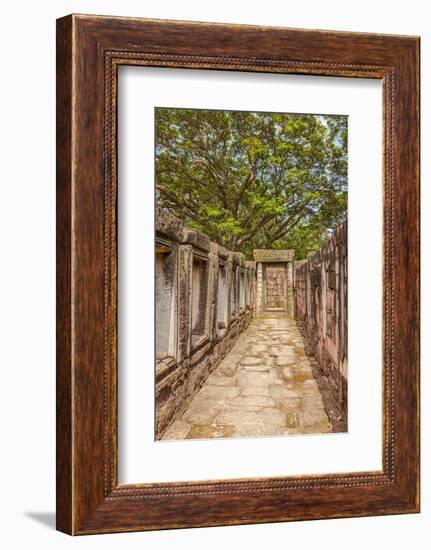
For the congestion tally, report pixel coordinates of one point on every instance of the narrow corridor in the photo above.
(265, 386)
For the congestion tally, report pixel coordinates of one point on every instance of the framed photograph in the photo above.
(237, 274)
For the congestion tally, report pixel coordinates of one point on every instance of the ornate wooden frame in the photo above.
(89, 51)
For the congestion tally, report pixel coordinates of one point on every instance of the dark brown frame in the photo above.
(89, 50)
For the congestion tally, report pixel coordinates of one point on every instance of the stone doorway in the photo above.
(274, 282)
(275, 291)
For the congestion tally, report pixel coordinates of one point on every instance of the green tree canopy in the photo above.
(253, 180)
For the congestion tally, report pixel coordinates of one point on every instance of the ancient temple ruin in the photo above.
(207, 296)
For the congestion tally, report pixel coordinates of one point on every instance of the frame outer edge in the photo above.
(81, 508)
(407, 272)
(64, 367)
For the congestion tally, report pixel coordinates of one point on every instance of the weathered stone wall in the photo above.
(321, 309)
(204, 301)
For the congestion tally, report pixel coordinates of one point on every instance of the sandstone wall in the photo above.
(320, 284)
(204, 300)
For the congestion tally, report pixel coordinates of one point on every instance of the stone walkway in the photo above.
(264, 386)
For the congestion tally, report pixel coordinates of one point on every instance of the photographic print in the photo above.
(216, 386)
(250, 273)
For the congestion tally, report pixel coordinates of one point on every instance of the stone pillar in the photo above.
(185, 266)
(240, 269)
(259, 289)
(289, 289)
(213, 266)
(229, 274)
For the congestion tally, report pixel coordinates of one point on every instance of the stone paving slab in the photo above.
(265, 386)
